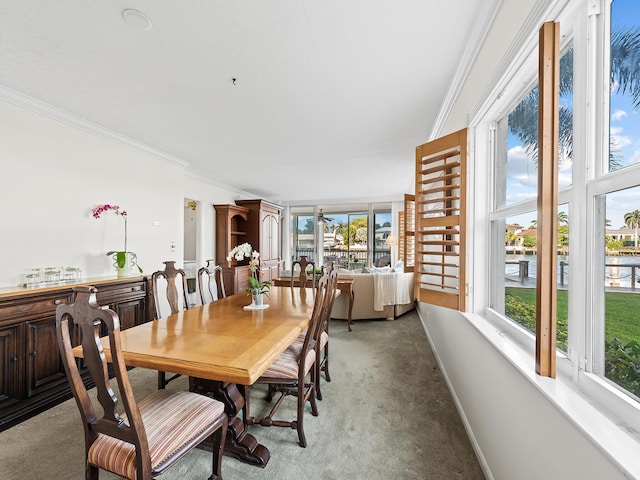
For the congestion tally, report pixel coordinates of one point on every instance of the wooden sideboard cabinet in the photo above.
(32, 376)
(256, 222)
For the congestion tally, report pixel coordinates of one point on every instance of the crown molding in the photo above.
(29, 103)
(521, 45)
(473, 44)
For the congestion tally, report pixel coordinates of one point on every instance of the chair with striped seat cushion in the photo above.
(322, 363)
(150, 435)
(291, 373)
(322, 344)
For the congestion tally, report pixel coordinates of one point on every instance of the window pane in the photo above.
(345, 239)
(624, 148)
(520, 239)
(565, 127)
(517, 141)
(335, 249)
(562, 305)
(381, 231)
(621, 289)
(517, 166)
(356, 239)
(303, 236)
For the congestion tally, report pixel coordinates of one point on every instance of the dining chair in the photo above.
(322, 346)
(150, 435)
(175, 279)
(211, 283)
(292, 374)
(302, 264)
(322, 363)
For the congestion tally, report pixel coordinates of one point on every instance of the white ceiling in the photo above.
(334, 93)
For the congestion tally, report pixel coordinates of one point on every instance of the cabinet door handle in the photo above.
(57, 302)
(14, 359)
(34, 353)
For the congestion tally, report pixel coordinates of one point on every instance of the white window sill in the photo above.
(618, 442)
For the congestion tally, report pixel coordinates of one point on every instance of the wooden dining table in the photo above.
(222, 346)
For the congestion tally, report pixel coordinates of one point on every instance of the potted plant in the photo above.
(256, 288)
(125, 261)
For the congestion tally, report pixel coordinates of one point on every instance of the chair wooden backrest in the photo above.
(172, 275)
(333, 287)
(85, 317)
(315, 325)
(302, 279)
(329, 297)
(211, 283)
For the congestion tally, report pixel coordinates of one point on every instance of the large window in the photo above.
(349, 238)
(598, 207)
(617, 327)
(515, 196)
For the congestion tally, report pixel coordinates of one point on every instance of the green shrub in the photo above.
(622, 364)
(523, 312)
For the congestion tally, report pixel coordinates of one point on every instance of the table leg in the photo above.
(239, 444)
(351, 300)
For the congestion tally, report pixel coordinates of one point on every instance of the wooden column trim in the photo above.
(547, 228)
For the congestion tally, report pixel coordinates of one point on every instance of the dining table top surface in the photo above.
(220, 340)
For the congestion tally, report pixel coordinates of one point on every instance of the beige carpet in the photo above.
(387, 414)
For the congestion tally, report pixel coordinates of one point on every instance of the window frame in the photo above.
(578, 368)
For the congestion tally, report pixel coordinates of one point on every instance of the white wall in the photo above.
(52, 176)
(207, 195)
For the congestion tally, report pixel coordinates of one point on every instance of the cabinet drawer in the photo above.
(27, 307)
(106, 295)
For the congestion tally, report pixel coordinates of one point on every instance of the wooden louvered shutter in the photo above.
(406, 240)
(401, 235)
(440, 204)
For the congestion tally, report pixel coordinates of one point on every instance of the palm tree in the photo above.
(632, 220)
(624, 77)
(523, 119)
(625, 61)
(563, 218)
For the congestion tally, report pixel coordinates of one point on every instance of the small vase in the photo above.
(256, 299)
(126, 264)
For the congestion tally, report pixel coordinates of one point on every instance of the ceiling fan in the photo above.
(322, 219)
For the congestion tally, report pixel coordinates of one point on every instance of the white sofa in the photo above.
(363, 305)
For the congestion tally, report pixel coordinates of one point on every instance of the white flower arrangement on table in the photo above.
(239, 253)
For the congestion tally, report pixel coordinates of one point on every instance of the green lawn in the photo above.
(622, 312)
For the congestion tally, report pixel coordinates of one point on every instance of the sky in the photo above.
(625, 122)
(624, 129)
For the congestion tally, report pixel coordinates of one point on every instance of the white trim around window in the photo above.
(609, 416)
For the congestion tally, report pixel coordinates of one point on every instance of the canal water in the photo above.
(619, 270)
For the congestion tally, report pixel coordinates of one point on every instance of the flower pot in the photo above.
(126, 264)
(257, 299)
